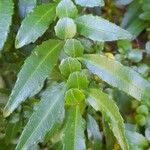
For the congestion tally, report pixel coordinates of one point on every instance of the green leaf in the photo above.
(93, 133)
(49, 112)
(145, 15)
(66, 8)
(101, 102)
(136, 27)
(99, 29)
(77, 80)
(136, 140)
(117, 75)
(90, 3)
(65, 28)
(73, 48)
(73, 135)
(132, 12)
(11, 131)
(74, 97)
(69, 65)
(35, 24)
(6, 12)
(26, 6)
(131, 21)
(33, 73)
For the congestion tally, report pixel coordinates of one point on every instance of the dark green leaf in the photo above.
(26, 6)
(33, 73)
(118, 76)
(73, 135)
(90, 3)
(98, 29)
(35, 24)
(136, 140)
(6, 12)
(93, 133)
(101, 102)
(49, 112)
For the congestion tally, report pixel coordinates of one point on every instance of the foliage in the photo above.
(72, 79)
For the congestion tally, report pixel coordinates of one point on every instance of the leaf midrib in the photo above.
(42, 17)
(97, 29)
(124, 80)
(44, 118)
(112, 116)
(34, 71)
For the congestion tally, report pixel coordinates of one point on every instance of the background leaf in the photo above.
(66, 8)
(6, 12)
(101, 102)
(90, 3)
(33, 73)
(35, 24)
(94, 134)
(73, 136)
(26, 6)
(117, 75)
(49, 112)
(99, 29)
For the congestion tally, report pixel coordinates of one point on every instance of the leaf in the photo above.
(74, 97)
(73, 136)
(66, 8)
(11, 131)
(69, 65)
(26, 6)
(131, 21)
(33, 73)
(49, 112)
(73, 48)
(132, 12)
(136, 140)
(90, 3)
(117, 75)
(99, 29)
(35, 24)
(136, 27)
(65, 28)
(6, 12)
(77, 80)
(93, 133)
(101, 102)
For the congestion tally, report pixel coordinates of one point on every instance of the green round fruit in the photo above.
(65, 28)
